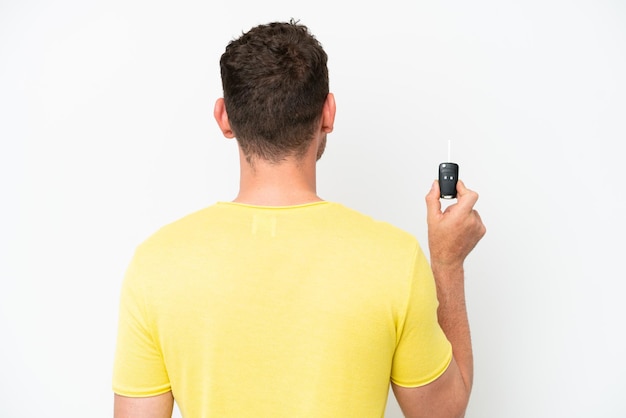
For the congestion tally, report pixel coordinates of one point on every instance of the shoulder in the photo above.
(184, 229)
(373, 238)
(366, 224)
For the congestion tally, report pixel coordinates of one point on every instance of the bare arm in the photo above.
(159, 406)
(452, 235)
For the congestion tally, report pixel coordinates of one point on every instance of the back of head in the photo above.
(275, 81)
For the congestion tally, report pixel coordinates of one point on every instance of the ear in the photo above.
(221, 117)
(328, 114)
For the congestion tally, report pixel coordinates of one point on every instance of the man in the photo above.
(281, 304)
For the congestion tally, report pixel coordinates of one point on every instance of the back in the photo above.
(293, 311)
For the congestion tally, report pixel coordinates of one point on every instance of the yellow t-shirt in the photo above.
(299, 311)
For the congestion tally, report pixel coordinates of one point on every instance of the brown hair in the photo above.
(275, 81)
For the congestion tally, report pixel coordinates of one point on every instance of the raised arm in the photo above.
(452, 235)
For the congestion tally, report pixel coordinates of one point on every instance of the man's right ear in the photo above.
(221, 117)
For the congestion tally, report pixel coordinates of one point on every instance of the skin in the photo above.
(452, 234)
(160, 406)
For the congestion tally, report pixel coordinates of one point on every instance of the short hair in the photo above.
(275, 82)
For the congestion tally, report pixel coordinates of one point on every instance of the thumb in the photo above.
(433, 204)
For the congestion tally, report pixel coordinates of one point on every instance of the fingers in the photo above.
(482, 230)
(433, 204)
(466, 198)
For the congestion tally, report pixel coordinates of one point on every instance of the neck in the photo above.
(291, 182)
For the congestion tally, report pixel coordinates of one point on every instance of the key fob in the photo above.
(448, 177)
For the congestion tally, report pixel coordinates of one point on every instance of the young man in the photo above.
(281, 304)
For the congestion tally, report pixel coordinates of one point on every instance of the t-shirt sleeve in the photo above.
(423, 351)
(139, 369)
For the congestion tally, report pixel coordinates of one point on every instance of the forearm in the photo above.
(453, 318)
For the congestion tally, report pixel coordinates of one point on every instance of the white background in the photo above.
(106, 134)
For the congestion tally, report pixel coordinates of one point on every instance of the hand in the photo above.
(453, 233)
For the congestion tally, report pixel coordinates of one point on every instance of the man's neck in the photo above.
(291, 182)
